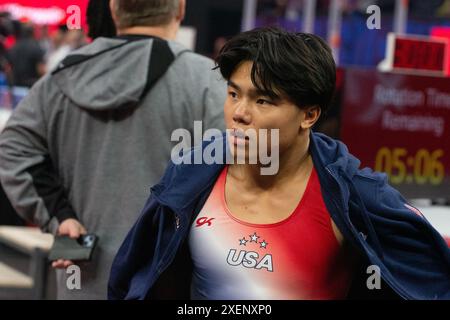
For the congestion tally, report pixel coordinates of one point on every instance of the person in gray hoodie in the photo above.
(80, 152)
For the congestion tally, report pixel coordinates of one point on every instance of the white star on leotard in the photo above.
(242, 241)
(254, 237)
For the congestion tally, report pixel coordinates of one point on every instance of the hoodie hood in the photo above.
(113, 73)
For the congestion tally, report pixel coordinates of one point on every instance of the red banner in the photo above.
(44, 12)
(400, 124)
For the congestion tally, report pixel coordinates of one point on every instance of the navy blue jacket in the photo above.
(413, 258)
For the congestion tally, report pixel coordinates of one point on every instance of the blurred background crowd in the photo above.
(30, 46)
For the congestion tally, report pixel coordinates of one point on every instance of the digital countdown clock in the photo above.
(417, 54)
(422, 167)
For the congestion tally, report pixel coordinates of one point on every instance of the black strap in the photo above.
(161, 57)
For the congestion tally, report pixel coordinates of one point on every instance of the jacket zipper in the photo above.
(177, 222)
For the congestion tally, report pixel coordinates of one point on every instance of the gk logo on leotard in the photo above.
(204, 220)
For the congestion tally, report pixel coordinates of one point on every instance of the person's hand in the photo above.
(74, 229)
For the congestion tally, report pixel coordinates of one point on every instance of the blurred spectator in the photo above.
(3, 60)
(65, 41)
(6, 29)
(44, 39)
(99, 19)
(26, 58)
(57, 37)
(75, 39)
(89, 110)
(6, 25)
(59, 50)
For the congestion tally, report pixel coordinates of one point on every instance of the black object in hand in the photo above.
(80, 249)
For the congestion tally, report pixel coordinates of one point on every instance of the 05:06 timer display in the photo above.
(422, 167)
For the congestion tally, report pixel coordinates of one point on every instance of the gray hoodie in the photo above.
(92, 138)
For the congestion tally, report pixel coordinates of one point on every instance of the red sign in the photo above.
(400, 124)
(443, 32)
(417, 54)
(421, 55)
(44, 12)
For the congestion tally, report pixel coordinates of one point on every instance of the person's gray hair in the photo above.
(132, 13)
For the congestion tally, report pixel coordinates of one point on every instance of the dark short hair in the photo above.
(299, 66)
(99, 19)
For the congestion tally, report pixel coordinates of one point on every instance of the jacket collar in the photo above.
(332, 154)
(184, 183)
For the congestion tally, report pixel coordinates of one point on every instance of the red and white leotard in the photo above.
(297, 258)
